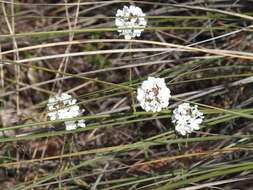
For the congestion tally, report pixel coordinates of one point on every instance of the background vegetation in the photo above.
(202, 48)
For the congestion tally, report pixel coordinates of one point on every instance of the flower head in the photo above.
(63, 110)
(130, 17)
(153, 94)
(187, 118)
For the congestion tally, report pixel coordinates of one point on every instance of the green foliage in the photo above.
(98, 61)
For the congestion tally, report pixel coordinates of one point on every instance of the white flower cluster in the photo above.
(59, 103)
(153, 94)
(130, 17)
(187, 118)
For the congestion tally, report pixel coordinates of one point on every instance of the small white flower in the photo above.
(187, 118)
(153, 94)
(59, 103)
(130, 17)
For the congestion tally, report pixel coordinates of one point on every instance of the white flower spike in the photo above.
(60, 102)
(130, 17)
(187, 118)
(153, 94)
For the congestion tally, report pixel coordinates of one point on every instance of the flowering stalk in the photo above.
(130, 17)
(60, 108)
(187, 118)
(153, 94)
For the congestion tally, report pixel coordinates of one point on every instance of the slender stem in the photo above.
(130, 78)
